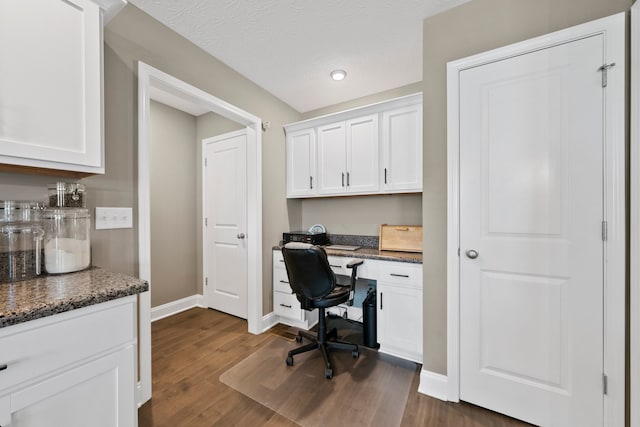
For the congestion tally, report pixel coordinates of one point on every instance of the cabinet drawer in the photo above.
(287, 305)
(281, 280)
(277, 258)
(44, 345)
(401, 273)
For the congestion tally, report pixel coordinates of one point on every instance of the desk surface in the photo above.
(374, 253)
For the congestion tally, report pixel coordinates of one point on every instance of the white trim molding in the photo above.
(156, 84)
(175, 307)
(634, 237)
(613, 29)
(269, 321)
(434, 385)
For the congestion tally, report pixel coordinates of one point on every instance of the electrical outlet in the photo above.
(110, 218)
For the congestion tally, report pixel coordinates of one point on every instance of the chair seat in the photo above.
(337, 296)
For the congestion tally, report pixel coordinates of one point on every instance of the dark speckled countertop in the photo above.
(49, 295)
(374, 253)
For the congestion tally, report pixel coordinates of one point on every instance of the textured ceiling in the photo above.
(289, 47)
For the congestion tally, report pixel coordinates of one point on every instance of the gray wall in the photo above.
(172, 136)
(472, 28)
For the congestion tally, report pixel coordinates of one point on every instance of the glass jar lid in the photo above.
(65, 213)
(19, 210)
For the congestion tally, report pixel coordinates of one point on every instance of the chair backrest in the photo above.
(310, 274)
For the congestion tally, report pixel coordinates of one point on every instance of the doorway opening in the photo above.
(157, 85)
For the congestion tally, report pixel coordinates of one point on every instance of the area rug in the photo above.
(370, 390)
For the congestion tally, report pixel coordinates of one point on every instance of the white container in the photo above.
(66, 240)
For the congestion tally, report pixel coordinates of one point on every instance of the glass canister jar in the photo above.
(66, 240)
(20, 251)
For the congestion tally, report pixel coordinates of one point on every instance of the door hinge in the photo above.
(604, 384)
(605, 69)
(206, 281)
(206, 222)
(604, 231)
(458, 251)
(205, 161)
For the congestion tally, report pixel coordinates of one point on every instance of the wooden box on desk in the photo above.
(403, 238)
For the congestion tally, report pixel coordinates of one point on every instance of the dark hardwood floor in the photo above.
(192, 349)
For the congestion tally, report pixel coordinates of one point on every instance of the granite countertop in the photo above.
(374, 253)
(48, 295)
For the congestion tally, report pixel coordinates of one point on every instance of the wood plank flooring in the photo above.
(192, 349)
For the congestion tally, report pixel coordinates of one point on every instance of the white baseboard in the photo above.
(175, 307)
(434, 385)
(269, 321)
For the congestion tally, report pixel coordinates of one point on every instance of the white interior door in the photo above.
(531, 239)
(225, 204)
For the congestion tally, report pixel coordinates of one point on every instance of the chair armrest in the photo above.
(354, 263)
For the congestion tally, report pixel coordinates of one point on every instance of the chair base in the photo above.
(324, 345)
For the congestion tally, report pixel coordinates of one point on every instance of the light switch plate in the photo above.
(110, 218)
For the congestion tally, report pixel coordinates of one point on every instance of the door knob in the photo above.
(240, 236)
(472, 254)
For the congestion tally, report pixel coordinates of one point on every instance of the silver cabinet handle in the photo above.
(343, 179)
(348, 184)
(310, 183)
(385, 175)
(398, 275)
(380, 300)
(284, 281)
(472, 254)
(3, 367)
(285, 305)
(240, 236)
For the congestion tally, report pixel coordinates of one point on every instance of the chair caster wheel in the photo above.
(289, 360)
(298, 338)
(328, 373)
(355, 353)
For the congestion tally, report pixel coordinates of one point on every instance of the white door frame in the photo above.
(613, 29)
(634, 238)
(158, 85)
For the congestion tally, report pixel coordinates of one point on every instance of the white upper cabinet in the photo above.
(332, 159)
(357, 151)
(362, 155)
(51, 84)
(301, 157)
(402, 149)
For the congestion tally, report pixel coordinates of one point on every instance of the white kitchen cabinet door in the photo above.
(301, 163)
(51, 84)
(402, 149)
(99, 393)
(362, 155)
(399, 315)
(332, 159)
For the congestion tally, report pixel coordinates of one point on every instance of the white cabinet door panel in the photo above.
(402, 149)
(50, 84)
(332, 162)
(362, 154)
(301, 147)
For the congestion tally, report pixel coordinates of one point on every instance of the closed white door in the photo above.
(225, 205)
(531, 240)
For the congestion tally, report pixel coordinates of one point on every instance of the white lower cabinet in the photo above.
(399, 310)
(285, 304)
(71, 369)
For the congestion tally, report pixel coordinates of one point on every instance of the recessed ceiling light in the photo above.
(338, 75)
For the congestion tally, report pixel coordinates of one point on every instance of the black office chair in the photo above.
(316, 286)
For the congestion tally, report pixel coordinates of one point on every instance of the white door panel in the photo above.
(531, 205)
(225, 209)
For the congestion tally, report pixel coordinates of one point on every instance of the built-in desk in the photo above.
(398, 279)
